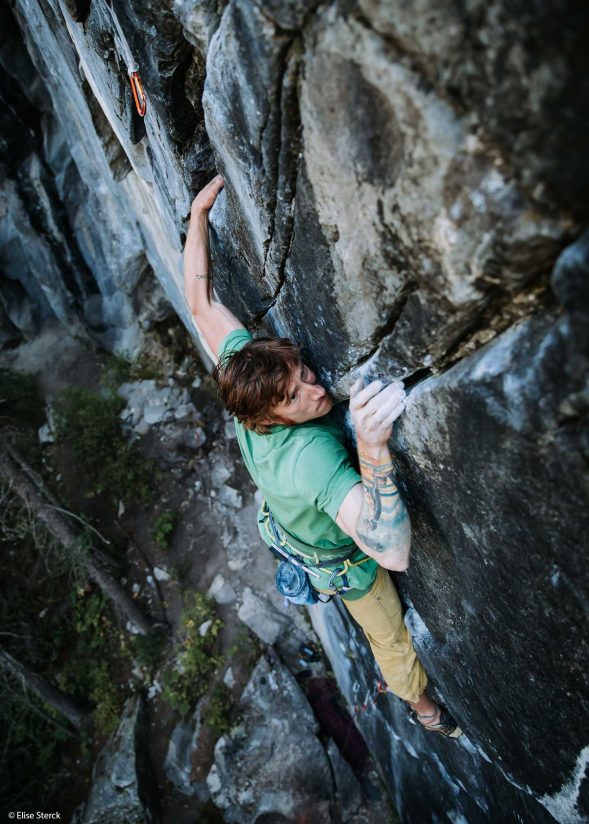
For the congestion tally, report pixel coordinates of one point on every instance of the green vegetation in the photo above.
(219, 711)
(52, 620)
(69, 635)
(246, 646)
(197, 659)
(90, 425)
(163, 528)
(20, 402)
(147, 649)
(182, 571)
(107, 696)
(30, 741)
(115, 371)
(118, 369)
(147, 369)
(90, 658)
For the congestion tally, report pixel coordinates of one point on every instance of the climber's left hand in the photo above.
(205, 199)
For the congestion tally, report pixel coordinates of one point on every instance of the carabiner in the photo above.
(138, 93)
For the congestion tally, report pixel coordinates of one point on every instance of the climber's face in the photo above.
(306, 400)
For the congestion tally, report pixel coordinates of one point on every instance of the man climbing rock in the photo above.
(345, 530)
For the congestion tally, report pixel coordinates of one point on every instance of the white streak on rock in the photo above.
(563, 804)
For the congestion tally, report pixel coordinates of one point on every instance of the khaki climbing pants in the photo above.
(380, 615)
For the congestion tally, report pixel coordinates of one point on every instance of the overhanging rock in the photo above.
(491, 455)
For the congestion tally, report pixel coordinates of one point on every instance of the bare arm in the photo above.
(213, 320)
(373, 513)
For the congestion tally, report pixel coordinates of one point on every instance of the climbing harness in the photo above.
(132, 69)
(307, 565)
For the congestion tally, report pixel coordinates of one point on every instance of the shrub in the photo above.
(92, 658)
(91, 425)
(115, 371)
(107, 698)
(30, 747)
(182, 571)
(147, 649)
(118, 369)
(20, 402)
(163, 528)
(219, 713)
(197, 659)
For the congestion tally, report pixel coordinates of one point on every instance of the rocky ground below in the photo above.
(251, 745)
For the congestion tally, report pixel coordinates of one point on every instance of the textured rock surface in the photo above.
(493, 455)
(401, 181)
(181, 748)
(111, 203)
(276, 719)
(122, 789)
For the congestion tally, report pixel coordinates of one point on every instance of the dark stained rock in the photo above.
(288, 14)
(249, 102)
(445, 229)
(521, 465)
(493, 459)
(306, 307)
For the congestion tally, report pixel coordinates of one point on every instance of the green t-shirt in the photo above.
(304, 472)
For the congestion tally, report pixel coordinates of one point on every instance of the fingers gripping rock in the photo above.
(374, 408)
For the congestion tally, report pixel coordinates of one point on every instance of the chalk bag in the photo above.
(294, 584)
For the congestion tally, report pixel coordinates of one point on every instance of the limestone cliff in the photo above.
(406, 191)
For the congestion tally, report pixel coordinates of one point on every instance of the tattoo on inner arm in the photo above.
(383, 511)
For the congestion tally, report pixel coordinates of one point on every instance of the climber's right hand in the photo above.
(374, 408)
(205, 199)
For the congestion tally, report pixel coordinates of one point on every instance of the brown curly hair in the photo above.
(256, 378)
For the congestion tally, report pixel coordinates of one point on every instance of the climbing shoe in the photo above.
(445, 726)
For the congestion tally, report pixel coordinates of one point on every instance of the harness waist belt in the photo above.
(280, 543)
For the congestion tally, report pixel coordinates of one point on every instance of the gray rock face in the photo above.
(510, 85)
(257, 613)
(492, 454)
(405, 195)
(438, 214)
(277, 726)
(122, 784)
(178, 764)
(87, 174)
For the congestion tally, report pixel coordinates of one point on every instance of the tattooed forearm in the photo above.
(383, 523)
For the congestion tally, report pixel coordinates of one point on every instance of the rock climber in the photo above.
(317, 507)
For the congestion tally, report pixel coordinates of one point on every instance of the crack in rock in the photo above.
(287, 169)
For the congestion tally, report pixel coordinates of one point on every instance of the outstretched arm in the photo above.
(213, 320)
(373, 512)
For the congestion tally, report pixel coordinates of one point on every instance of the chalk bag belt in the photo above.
(278, 549)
